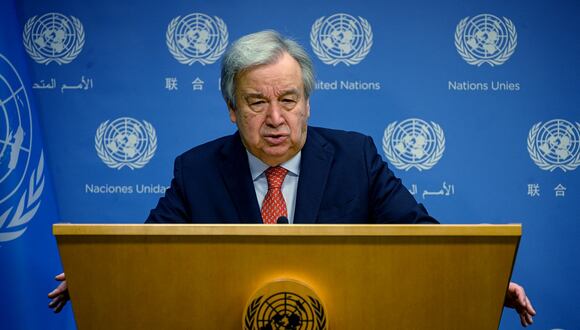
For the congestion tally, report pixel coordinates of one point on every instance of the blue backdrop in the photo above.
(473, 103)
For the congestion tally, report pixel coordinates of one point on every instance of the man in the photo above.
(277, 168)
(332, 176)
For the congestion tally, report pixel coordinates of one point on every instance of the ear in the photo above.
(308, 108)
(232, 111)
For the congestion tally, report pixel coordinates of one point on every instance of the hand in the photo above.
(59, 295)
(516, 298)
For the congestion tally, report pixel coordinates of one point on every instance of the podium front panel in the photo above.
(368, 277)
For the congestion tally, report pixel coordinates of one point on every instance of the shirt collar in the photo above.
(257, 167)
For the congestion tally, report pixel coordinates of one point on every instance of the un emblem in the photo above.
(485, 39)
(284, 304)
(21, 170)
(197, 38)
(413, 143)
(53, 37)
(555, 144)
(125, 142)
(341, 38)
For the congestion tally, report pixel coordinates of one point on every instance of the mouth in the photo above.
(275, 139)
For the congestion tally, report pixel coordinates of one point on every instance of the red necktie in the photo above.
(274, 205)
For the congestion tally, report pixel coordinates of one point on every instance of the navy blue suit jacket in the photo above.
(342, 180)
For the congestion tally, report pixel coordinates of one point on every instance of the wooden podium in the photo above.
(367, 277)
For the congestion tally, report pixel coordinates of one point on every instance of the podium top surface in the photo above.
(285, 230)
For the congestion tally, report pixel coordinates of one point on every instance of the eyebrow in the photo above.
(293, 91)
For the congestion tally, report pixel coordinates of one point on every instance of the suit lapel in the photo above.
(317, 157)
(235, 172)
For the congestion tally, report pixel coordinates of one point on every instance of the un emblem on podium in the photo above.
(197, 38)
(53, 37)
(413, 143)
(555, 144)
(284, 304)
(21, 170)
(125, 142)
(485, 38)
(341, 38)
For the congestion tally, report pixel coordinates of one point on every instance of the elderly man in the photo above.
(276, 168)
(325, 176)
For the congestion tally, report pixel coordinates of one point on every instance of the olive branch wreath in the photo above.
(469, 58)
(68, 57)
(319, 311)
(253, 307)
(401, 165)
(140, 162)
(356, 58)
(535, 155)
(251, 313)
(27, 207)
(182, 58)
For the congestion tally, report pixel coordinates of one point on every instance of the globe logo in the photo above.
(20, 185)
(197, 38)
(341, 38)
(555, 144)
(125, 142)
(413, 143)
(285, 310)
(53, 37)
(284, 304)
(485, 39)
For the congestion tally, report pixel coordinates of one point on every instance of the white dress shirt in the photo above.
(289, 186)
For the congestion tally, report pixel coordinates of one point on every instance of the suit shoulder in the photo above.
(205, 151)
(336, 136)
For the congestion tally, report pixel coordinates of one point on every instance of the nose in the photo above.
(274, 116)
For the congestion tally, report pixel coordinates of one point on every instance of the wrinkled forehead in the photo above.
(273, 59)
(282, 76)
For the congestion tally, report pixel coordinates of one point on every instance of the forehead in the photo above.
(284, 74)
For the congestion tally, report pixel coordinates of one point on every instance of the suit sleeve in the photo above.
(390, 200)
(172, 208)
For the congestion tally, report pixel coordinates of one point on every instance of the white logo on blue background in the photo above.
(555, 144)
(413, 143)
(21, 173)
(53, 37)
(485, 38)
(197, 38)
(125, 142)
(341, 38)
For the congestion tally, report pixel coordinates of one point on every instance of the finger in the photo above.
(54, 293)
(529, 319)
(529, 307)
(60, 277)
(523, 320)
(55, 301)
(61, 288)
(59, 307)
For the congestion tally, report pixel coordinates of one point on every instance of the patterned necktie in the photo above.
(274, 205)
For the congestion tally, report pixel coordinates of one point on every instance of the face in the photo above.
(271, 110)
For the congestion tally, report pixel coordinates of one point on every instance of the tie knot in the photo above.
(275, 176)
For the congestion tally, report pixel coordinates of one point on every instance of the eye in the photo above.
(288, 102)
(257, 105)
